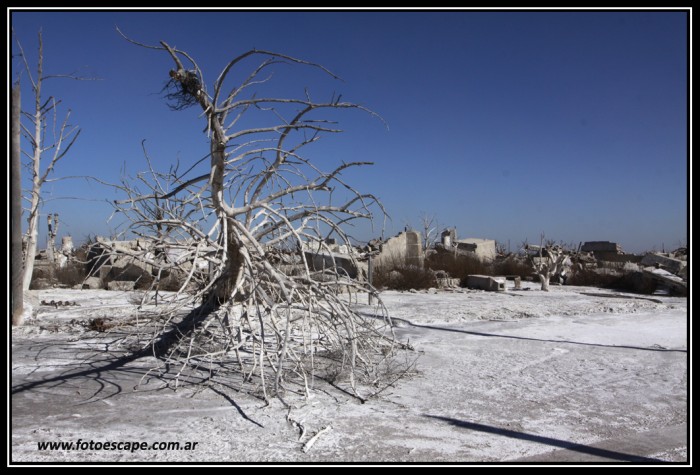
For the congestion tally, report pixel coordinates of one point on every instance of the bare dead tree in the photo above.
(501, 249)
(16, 211)
(49, 140)
(547, 260)
(226, 225)
(523, 245)
(429, 228)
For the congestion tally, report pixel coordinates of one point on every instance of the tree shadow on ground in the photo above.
(475, 333)
(111, 372)
(562, 444)
(97, 368)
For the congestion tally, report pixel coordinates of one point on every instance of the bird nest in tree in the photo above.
(182, 90)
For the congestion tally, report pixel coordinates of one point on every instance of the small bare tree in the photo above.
(501, 249)
(429, 227)
(547, 260)
(49, 141)
(227, 231)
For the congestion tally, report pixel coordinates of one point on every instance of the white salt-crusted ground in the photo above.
(576, 374)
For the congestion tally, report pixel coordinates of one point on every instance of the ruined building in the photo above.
(602, 250)
(482, 249)
(402, 250)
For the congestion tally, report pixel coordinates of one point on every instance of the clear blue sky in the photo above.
(503, 124)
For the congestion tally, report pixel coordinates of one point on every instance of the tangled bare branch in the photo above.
(547, 260)
(236, 233)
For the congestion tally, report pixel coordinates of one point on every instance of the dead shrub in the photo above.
(172, 281)
(169, 281)
(100, 324)
(42, 272)
(590, 278)
(511, 267)
(40, 283)
(459, 266)
(72, 274)
(144, 282)
(404, 278)
(635, 282)
(129, 272)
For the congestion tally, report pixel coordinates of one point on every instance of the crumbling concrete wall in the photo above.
(67, 244)
(326, 246)
(609, 257)
(675, 266)
(601, 246)
(667, 279)
(341, 263)
(603, 250)
(400, 251)
(483, 249)
(105, 254)
(448, 238)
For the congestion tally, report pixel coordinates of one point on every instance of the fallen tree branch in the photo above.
(312, 440)
(299, 425)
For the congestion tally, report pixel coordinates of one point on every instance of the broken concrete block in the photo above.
(670, 264)
(486, 282)
(667, 278)
(92, 283)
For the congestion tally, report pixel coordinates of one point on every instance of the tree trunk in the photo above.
(16, 213)
(544, 280)
(33, 231)
(233, 268)
(233, 264)
(32, 238)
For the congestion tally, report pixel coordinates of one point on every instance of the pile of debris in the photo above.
(670, 270)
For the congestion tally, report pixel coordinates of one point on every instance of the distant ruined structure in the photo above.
(603, 250)
(482, 249)
(402, 250)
